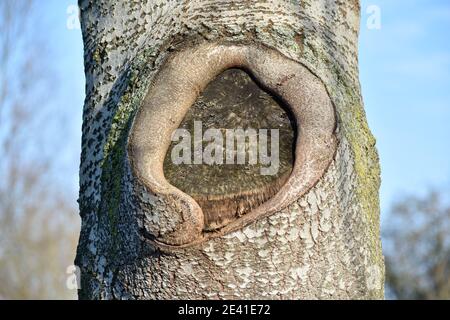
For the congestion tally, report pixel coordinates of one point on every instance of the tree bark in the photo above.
(320, 242)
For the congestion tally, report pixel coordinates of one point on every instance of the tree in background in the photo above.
(37, 222)
(417, 247)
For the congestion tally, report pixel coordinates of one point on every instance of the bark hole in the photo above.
(226, 191)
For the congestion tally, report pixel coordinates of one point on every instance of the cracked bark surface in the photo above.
(324, 245)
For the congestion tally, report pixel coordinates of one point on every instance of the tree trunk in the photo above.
(315, 237)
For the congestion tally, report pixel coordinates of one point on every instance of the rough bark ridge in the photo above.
(325, 245)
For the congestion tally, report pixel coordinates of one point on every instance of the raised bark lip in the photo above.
(184, 75)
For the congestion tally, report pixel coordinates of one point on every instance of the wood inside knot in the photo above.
(227, 191)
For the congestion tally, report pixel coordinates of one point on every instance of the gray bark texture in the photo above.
(325, 244)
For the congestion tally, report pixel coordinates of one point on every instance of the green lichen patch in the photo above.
(114, 151)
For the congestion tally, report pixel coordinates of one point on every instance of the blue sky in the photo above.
(405, 78)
